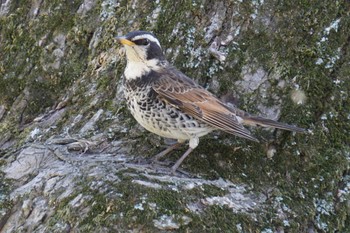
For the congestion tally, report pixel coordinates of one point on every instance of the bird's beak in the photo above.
(124, 41)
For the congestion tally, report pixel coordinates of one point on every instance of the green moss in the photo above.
(21, 45)
(120, 211)
(5, 203)
(288, 41)
(222, 219)
(136, 206)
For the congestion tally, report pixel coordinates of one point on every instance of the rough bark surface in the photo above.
(72, 159)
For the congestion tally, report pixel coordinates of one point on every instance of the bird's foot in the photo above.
(160, 155)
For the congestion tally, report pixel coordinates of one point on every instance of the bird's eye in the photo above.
(142, 42)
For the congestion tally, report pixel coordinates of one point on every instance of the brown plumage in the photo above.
(191, 98)
(166, 102)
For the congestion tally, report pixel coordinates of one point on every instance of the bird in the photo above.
(168, 103)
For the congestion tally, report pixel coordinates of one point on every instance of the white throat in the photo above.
(137, 63)
(135, 69)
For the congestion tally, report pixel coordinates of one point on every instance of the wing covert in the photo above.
(184, 94)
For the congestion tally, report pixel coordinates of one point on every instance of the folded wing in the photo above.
(184, 94)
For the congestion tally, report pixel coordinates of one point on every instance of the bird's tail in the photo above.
(260, 121)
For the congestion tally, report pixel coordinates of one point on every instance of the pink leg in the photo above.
(167, 150)
(180, 160)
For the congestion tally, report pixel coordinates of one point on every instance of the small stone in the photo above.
(298, 97)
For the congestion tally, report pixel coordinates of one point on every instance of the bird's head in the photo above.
(141, 46)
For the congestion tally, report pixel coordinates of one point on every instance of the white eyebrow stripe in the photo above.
(149, 37)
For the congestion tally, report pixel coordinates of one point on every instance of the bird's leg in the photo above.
(180, 160)
(193, 144)
(167, 150)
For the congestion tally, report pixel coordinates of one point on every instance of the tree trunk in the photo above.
(72, 158)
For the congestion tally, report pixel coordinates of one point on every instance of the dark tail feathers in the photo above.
(260, 121)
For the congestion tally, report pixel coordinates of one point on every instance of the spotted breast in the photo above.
(158, 116)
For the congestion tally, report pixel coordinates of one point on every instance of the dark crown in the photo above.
(150, 41)
(134, 34)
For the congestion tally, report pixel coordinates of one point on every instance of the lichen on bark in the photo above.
(73, 159)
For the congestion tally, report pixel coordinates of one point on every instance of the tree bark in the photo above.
(73, 159)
